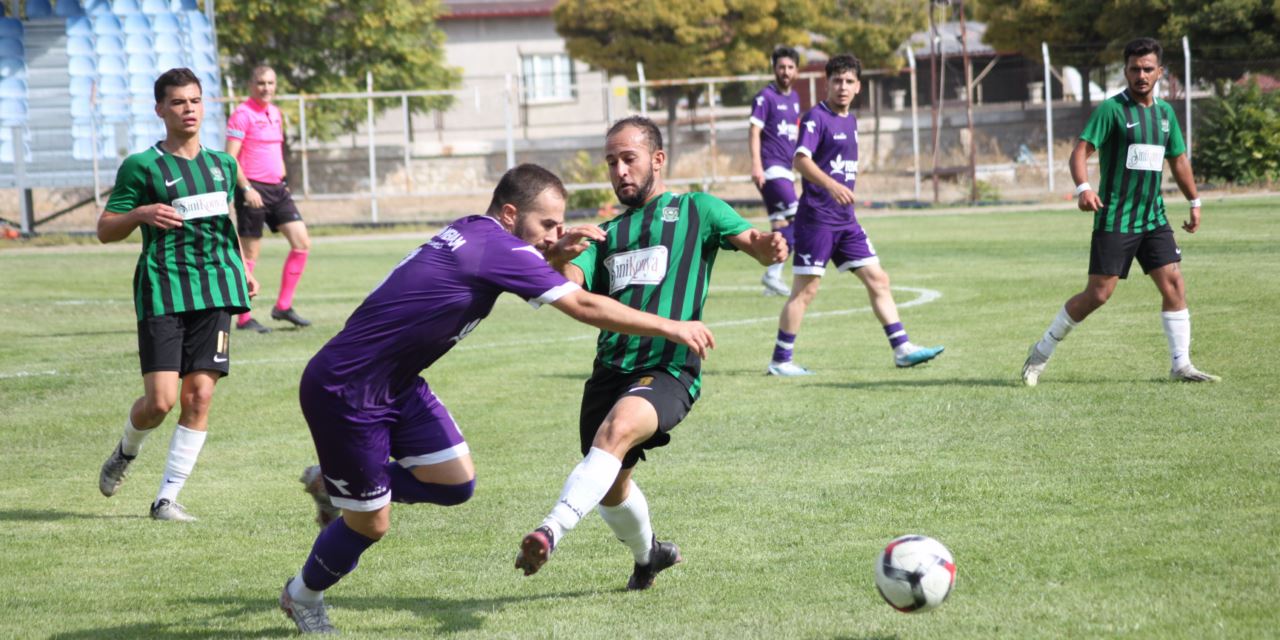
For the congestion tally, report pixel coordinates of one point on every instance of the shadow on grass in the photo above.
(50, 515)
(171, 630)
(77, 334)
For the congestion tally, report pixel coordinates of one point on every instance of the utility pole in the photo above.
(935, 48)
(968, 107)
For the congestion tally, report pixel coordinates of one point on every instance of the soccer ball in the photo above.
(915, 573)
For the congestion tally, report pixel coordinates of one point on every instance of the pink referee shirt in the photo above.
(260, 129)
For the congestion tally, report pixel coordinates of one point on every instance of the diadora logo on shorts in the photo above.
(670, 214)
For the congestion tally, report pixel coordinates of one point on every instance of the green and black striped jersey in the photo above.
(196, 266)
(1132, 142)
(658, 259)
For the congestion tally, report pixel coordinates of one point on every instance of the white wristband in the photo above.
(1195, 204)
(1083, 187)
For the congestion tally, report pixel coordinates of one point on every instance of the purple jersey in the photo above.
(832, 142)
(428, 303)
(776, 115)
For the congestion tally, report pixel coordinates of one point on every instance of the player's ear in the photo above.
(507, 216)
(659, 159)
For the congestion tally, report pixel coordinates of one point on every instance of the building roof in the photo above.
(950, 35)
(485, 9)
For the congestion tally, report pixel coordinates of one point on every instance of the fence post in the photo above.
(373, 148)
(915, 120)
(93, 122)
(26, 205)
(507, 97)
(644, 96)
(302, 122)
(711, 108)
(1048, 109)
(408, 130)
(1186, 87)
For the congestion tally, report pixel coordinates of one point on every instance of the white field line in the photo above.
(923, 296)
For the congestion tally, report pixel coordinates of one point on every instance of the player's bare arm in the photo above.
(811, 172)
(606, 313)
(757, 166)
(1181, 168)
(1088, 198)
(251, 195)
(113, 226)
(766, 248)
(571, 245)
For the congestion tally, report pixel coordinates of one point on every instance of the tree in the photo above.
(1228, 37)
(328, 46)
(1079, 33)
(873, 30)
(677, 40)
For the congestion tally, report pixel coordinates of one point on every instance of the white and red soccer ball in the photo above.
(915, 573)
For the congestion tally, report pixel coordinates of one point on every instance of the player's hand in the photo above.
(1190, 226)
(757, 177)
(1089, 201)
(841, 194)
(160, 216)
(695, 335)
(251, 282)
(574, 241)
(772, 247)
(253, 198)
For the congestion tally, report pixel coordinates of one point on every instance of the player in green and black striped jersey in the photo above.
(190, 278)
(1133, 134)
(657, 257)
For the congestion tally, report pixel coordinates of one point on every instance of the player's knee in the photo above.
(1097, 296)
(159, 405)
(198, 399)
(449, 495)
(617, 434)
(445, 495)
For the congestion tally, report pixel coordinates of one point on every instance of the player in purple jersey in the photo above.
(772, 138)
(365, 402)
(826, 227)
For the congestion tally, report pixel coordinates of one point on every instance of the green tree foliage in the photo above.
(1228, 37)
(1239, 140)
(583, 169)
(677, 40)
(873, 30)
(328, 46)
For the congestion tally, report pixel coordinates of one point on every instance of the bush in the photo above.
(580, 170)
(1239, 141)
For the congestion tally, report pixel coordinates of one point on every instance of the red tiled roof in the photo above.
(481, 9)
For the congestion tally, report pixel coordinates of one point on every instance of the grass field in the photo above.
(1107, 502)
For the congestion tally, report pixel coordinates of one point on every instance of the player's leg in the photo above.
(854, 252)
(1160, 258)
(249, 223)
(1110, 256)
(779, 195)
(432, 460)
(160, 357)
(804, 289)
(285, 218)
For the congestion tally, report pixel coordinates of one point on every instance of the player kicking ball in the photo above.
(365, 402)
(826, 228)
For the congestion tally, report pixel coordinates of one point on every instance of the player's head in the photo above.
(785, 64)
(179, 102)
(529, 202)
(262, 83)
(844, 77)
(1142, 60)
(633, 151)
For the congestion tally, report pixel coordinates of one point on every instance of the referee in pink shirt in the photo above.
(255, 136)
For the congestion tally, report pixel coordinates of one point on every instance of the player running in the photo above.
(255, 136)
(1135, 132)
(826, 227)
(365, 402)
(657, 257)
(772, 138)
(189, 280)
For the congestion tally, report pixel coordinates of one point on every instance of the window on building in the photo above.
(548, 77)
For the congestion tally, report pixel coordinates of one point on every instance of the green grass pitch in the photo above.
(1107, 502)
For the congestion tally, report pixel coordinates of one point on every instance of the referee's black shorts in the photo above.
(277, 209)
(1112, 253)
(668, 395)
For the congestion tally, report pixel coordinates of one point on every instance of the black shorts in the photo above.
(1111, 254)
(667, 394)
(186, 342)
(277, 209)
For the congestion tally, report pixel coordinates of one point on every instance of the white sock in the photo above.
(300, 593)
(131, 441)
(184, 448)
(904, 348)
(1177, 328)
(1058, 329)
(774, 271)
(584, 489)
(630, 522)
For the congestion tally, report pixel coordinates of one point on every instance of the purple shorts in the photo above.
(779, 196)
(354, 445)
(815, 244)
